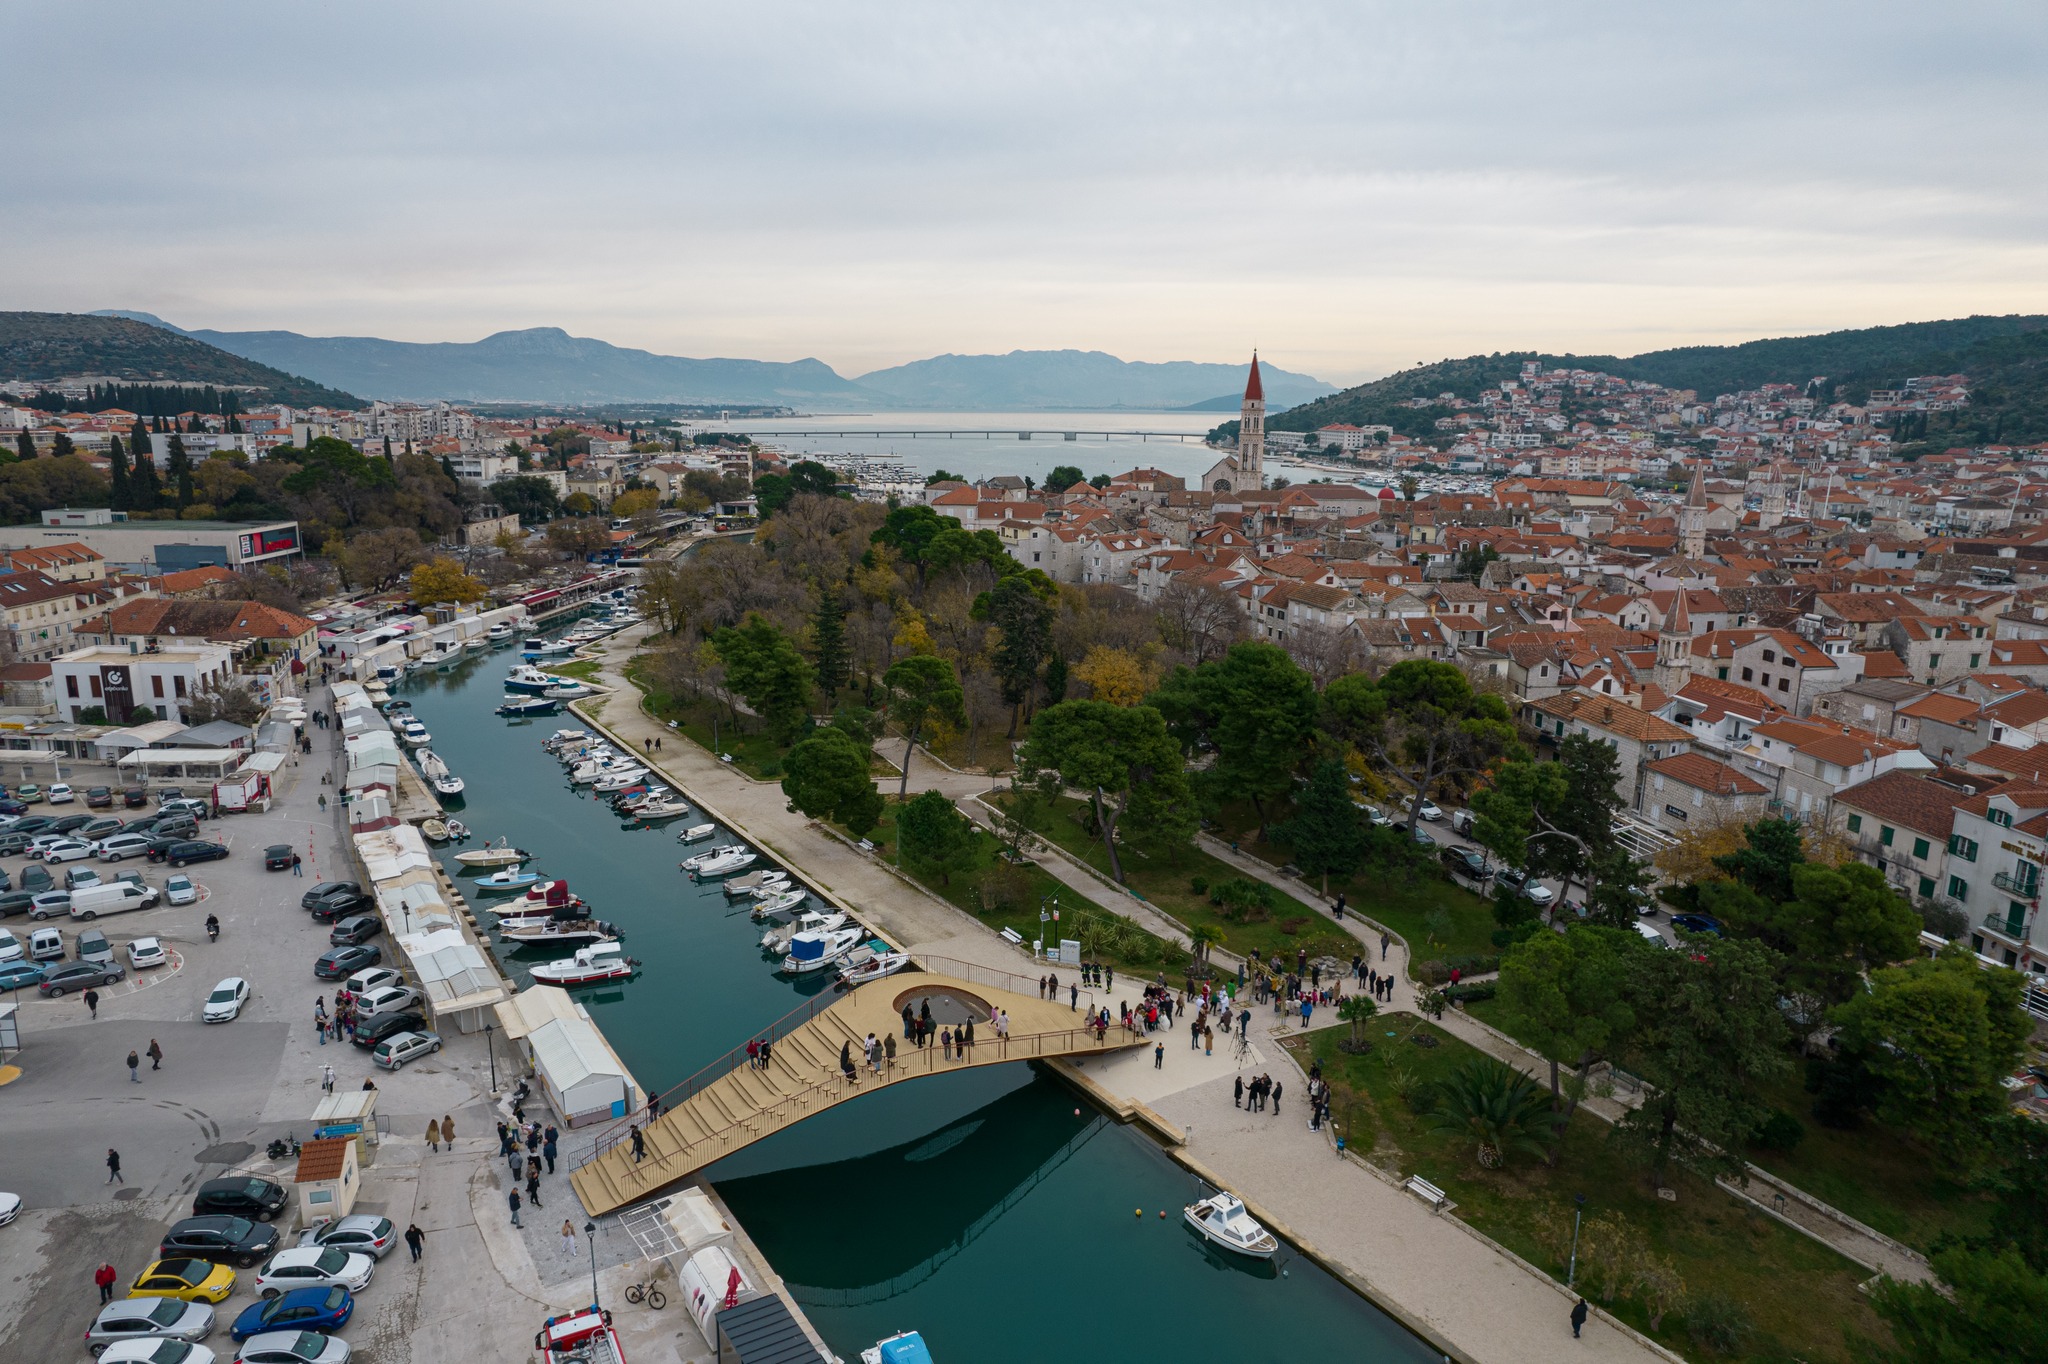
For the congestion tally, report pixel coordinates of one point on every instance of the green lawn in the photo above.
(706, 719)
(583, 669)
(1800, 1295)
(1165, 877)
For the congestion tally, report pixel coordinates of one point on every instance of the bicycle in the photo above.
(653, 1296)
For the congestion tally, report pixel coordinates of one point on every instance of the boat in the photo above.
(500, 632)
(740, 887)
(660, 808)
(505, 879)
(547, 648)
(778, 939)
(559, 905)
(1223, 1219)
(905, 1347)
(697, 833)
(530, 680)
(864, 964)
(561, 930)
(528, 705)
(606, 765)
(692, 863)
(434, 830)
(598, 961)
(497, 853)
(564, 738)
(725, 863)
(549, 893)
(780, 901)
(387, 672)
(457, 829)
(448, 784)
(816, 951)
(587, 1337)
(413, 734)
(570, 691)
(618, 779)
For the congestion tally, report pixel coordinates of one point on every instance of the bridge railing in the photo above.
(976, 974)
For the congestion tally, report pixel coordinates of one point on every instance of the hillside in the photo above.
(2006, 359)
(56, 345)
(1027, 379)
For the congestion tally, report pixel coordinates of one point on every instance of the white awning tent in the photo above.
(388, 854)
(413, 903)
(533, 1006)
(264, 762)
(454, 977)
(372, 748)
(209, 763)
(118, 741)
(370, 809)
(584, 1080)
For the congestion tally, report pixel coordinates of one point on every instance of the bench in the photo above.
(1013, 937)
(1428, 1192)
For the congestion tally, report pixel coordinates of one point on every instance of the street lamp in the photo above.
(590, 1235)
(1573, 1272)
(489, 1028)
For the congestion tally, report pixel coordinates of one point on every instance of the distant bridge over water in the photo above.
(966, 433)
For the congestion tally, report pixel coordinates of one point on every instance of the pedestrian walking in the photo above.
(433, 1134)
(297, 870)
(104, 1276)
(327, 1079)
(1579, 1314)
(512, 1197)
(1385, 938)
(533, 1184)
(92, 1003)
(114, 1167)
(155, 1055)
(547, 1151)
(568, 1237)
(1340, 907)
(946, 1042)
(639, 1144)
(134, 1064)
(415, 1241)
(1159, 1056)
(448, 1131)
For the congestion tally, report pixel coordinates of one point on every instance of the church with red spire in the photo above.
(1245, 470)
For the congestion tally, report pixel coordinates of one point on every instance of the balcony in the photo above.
(2026, 885)
(2017, 932)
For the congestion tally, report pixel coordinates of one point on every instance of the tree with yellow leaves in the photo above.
(442, 579)
(1118, 676)
(912, 636)
(634, 501)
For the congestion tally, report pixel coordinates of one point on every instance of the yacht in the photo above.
(692, 863)
(552, 930)
(754, 882)
(570, 691)
(500, 632)
(412, 733)
(816, 951)
(530, 680)
(864, 964)
(524, 706)
(598, 961)
(553, 648)
(617, 778)
(777, 940)
(905, 1347)
(436, 772)
(780, 901)
(497, 853)
(660, 808)
(565, 738)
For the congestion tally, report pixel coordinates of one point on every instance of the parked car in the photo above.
(11, 948)
(360, 1232)
(371, 1031)
(354, 929)
(1430, 812)
(1697, 923)
(277, 857)
(197, 809)
(179, 890)
(1650, 934)
(1465, 862)
(373, 978)
(14, 843)
(118, 846)
(302, 1309)
(76, 975)
(28, 793)
(293, 1347)
(157, 1352)
(37, 879)
(327, 890)
(384, 1000)
(185, 1279)
(1524, 885)
(184, 852)
(11, 807)
(395, 1050)
(49, 904)
(118, 897)
(78, 878)
(61, 793)
(144, 953)
(69, 850)
(134, 797)
(1422, 837)
(337, 962)
(308, 1266)
(149, 1318)
(345, 898)
(93, 831)
(226, 1001)
(224, 1240)
(46, 944)
(1462, 821)
(99, 797)
(70, 823)
(242, 1196)
(16, 902)
(94, 947)
(15, 974)
(33, 825)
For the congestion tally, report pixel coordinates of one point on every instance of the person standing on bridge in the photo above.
(889, 1050)
(946, 1042)
(1073, 998)
(846, 1062)
(909, 1023)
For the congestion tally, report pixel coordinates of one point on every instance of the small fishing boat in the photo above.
(570, 691)
(387, 672)
(781, 901)
(500, 632)
(588, 1338)
(434, 830)
(740, 887)
(697, 833)
(905, 1347)
(816, 951)
(497, 853)
(692, 863)
(548, 893)
(777, 940)
(864, 964)
(598, 961)
(530, 681)
(561, 930)
(508, 879)
(608, 765)
(725, 863)
(659, 808)
(528, 706)
(387, 705)
(1223, 1219)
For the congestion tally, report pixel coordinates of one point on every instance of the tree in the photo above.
(1989, 1307)
(921, 689)
(1055, 679)
(1198, 620)
(828, 778)
(145, 492)
(528, 496)
(337, 470)
(60, 446)
(1024, 619)
(233, 702)
(1556, 818)
(1124, 758)
(24, 446)
(763, 665)
(178, 465)
(828, 644)
(1498, 1107)
(634, 501)
(1841, 923)
(1063, 477)
(117, 471)
(578, 536)
(1258, 710)
(1117, 676)
(1357, 1010)
(442, 579)
(1707, 1035)
(934, 837)
(378, 558)
(1422, 719)
(1771, 849)
(1566, 996)
(1941, 1035)
(1326, 834)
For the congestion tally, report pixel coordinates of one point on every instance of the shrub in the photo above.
(1423, 1099)
(1294, 924)
(1779, 1132)
(1465, 994)
(1717, 1324)
(1198, 884)
(1433, 972)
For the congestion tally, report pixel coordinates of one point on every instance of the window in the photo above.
(1976, 661)
(179, 682)
(1748, 675)
(1855, 824)
(1965, 848)
(1934, 660)
(1721, 673)
(1884, 834)
(71, 686)
(2002, 818)
(94, 679)
(1920, 852)
(1958, 889)
(156, 685)
(1770, 656)
(1926, 886)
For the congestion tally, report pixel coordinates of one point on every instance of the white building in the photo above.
(122, 681)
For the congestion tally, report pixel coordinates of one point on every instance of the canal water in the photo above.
(992, 1210)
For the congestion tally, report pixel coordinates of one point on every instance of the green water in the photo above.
(991, 1210)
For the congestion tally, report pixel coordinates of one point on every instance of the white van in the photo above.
(46, 944)
(90, 902)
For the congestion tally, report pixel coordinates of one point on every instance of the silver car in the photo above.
(149, 1317)
(362, 1233)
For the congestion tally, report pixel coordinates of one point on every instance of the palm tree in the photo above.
(1357, 1010)
(1499, 1107)
(1202, 937)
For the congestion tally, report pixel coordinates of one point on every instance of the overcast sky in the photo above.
(1351, 186)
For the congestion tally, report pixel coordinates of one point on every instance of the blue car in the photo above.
(16, 974)
(1697, 923)
(321, 1308)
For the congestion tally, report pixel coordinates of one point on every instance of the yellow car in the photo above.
(191, 1280)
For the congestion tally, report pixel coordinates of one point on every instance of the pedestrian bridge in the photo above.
(729, 1105)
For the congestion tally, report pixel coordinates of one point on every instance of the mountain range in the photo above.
(547, 365)
(56, 345)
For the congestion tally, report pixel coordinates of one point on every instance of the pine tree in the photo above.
(117, 470)
(828, 645)
(60, 445)
(1055, 680)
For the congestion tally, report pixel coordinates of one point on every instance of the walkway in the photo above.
(726, 1112)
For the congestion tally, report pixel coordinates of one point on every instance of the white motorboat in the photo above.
(592, 769)
(565, 738)
(507, 879)
(497, 853)
(697, 833)
(517, 706)
(726, 863)
(816, 951)
(778, 939)
(781, 902)
(905, 1347)
(500, 632)
(692, 863)
(864, 964)
(1223, 1219)
(530, 680)
(561, 930)
(570, 691)
(547, 648)
(457, 829)
(598, 961)
(660, 808)
(449, 785)
(740, 887)
(413, 734)
(436, 772)
(619, 779)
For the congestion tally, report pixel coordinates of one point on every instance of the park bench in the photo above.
(1013, 937)
(1428, 1192)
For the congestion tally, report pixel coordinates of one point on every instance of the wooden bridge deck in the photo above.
(803, 1077)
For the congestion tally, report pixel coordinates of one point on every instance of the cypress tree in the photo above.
(828, 643)
(179, 466)
(1055, 680)
(117, 469)
(60, 445)
(25, 446)
(138, 441)
(142, 489)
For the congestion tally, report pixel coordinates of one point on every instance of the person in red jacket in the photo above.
(104, 1276)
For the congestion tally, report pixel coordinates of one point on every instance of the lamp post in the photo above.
(490, 1028)
(1580, 1211)
(590, 1235)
